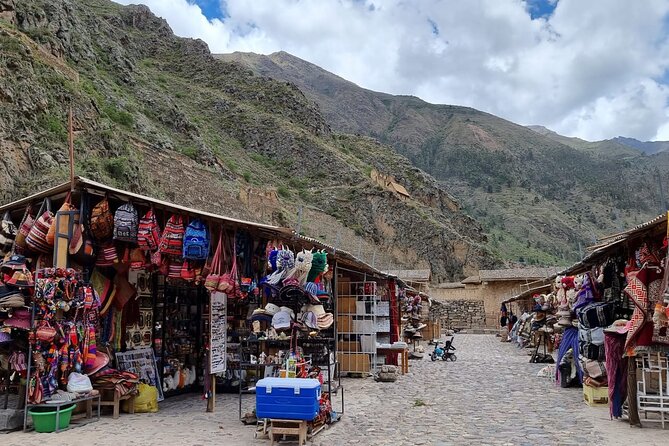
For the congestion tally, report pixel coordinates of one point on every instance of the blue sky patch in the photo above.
(541, 8)
(210, 8)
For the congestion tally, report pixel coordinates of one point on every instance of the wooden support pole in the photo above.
(70, 138)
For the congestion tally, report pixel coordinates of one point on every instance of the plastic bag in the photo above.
(146, 401)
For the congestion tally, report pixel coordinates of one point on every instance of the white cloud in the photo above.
(591, 69)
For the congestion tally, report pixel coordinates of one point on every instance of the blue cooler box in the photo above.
(288, 398)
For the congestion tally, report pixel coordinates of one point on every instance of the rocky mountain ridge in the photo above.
(157, 114)
(540, 199)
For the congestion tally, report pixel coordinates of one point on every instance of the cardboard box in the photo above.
(344, 324)
(346, 305)
(354, 362)
(344, 286)
(348, 346)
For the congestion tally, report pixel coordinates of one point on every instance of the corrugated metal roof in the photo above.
(529, 293)
(90, 185)
(491, 275)
(615, 242)
(412, 275)
(268, 230)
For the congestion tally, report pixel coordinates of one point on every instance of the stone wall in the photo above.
(457, 314)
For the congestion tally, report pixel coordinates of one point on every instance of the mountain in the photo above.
(648, 147)
(540, 199)
(618, 146)
(157, 114)
(608, 148)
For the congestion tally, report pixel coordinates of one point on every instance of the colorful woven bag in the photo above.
(81, 248)
(107, 255)
(126, 222)
(214, 276)
(148, 233)
(229, 282)
(102, 221)
(37, 237)
(172, 240)
(66, 207)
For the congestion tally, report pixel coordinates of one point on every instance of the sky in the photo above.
(595, 69)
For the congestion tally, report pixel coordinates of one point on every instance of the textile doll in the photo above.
(560, 291)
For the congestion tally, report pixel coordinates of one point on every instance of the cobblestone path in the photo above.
(490, 396)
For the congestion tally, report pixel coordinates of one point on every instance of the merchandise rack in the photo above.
(362, 319)
(247, 348)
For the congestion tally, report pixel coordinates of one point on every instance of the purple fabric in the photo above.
(585, 294)
(616, 372)
(569, 341)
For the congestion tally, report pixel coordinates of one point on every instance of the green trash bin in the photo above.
(44, 417)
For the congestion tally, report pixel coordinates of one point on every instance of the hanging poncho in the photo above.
(616, 372)
(569, 341)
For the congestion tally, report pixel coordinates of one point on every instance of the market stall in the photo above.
(610, 323)
(134, 300)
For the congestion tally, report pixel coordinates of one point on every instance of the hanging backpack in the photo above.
(102, 221)
(27, 222)
(81, 248)
(36, 239)
(148, 233)
(126, 222)
(171, 243)
(7, 234)
(196, 241)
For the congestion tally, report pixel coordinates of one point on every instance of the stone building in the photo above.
(487, 290)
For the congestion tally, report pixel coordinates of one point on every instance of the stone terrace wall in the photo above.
(457, 314)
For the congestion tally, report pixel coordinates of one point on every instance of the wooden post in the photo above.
(63, 219)
(70, 132)
(211, 402)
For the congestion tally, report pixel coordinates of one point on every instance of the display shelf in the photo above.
(181, 328)
(357, 314)
(255, 347)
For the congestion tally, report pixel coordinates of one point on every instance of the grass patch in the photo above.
(121, 117)
(283, 192)
(56, 126)
(232, 165)
(118, 168)
(247, 177)
(265, 161)
(190, 152)
(419, 403)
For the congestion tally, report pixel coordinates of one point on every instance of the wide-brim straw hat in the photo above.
(325, 321)
(101, 361)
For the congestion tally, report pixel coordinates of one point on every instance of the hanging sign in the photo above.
(218, 328)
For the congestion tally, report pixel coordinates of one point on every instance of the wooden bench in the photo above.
(296, 428)
(111, 398)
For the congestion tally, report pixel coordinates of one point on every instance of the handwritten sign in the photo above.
(218, 328)
(142, 363)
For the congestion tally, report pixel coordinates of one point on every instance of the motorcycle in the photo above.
(444, 353)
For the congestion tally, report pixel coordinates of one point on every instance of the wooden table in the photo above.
(402, 351)
(111, 398)
(280, 427)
